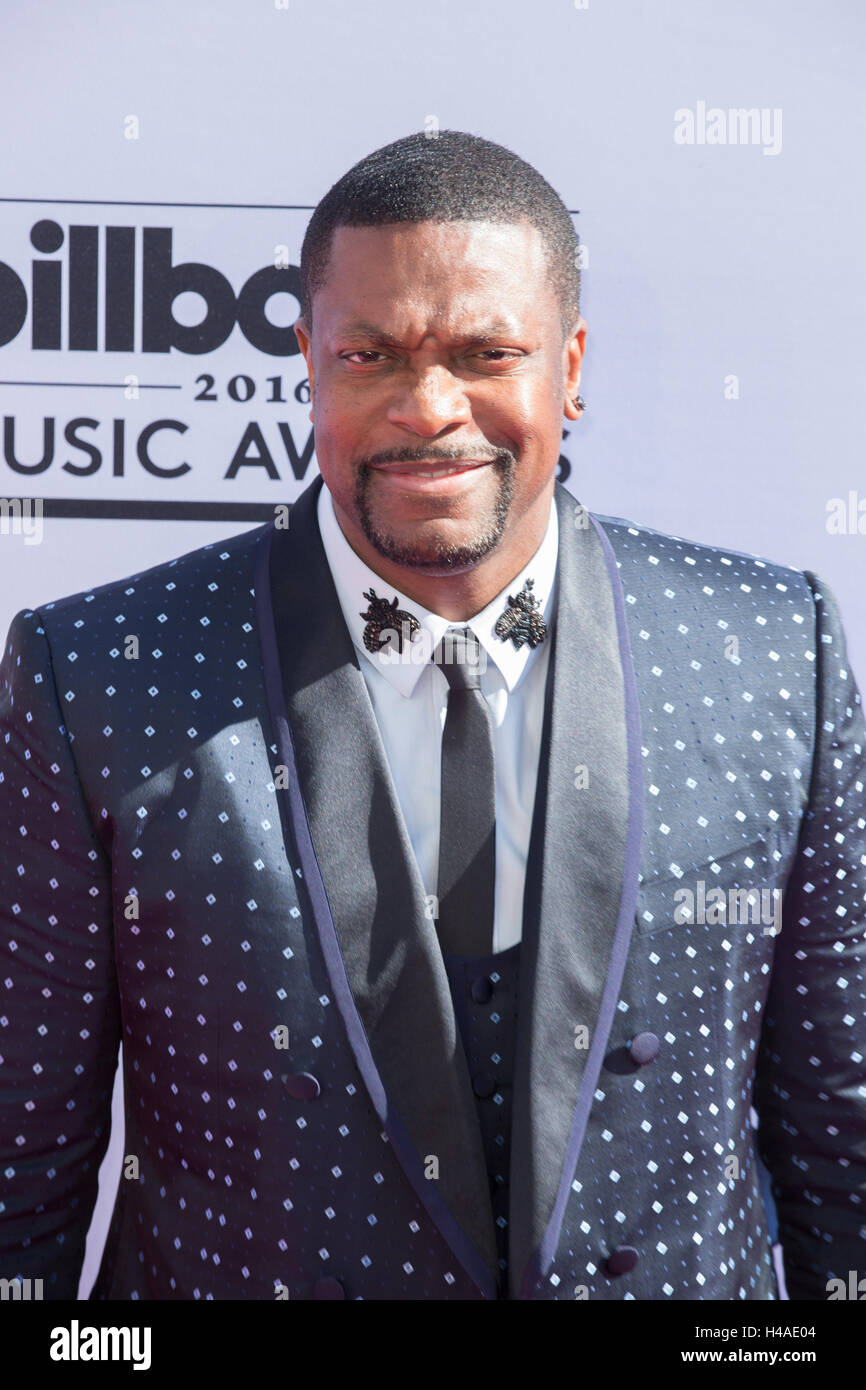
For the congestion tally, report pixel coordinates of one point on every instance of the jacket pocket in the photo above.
(747, 877)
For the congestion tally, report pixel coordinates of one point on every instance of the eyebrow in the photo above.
(360, 329)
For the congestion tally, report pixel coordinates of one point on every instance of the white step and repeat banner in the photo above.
(159, 166)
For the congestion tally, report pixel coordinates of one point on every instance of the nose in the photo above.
(431, 401)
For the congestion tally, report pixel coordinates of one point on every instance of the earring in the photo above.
(580, 402)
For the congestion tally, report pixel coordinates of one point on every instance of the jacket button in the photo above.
(622, 1259)
(644, 1048)
(329, 1288)
(499, 1196)
(302, 1086)
(483, 1084)
(482, 989)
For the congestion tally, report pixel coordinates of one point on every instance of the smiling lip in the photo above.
(431, 466)
(426, 474)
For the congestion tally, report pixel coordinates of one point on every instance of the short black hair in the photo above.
(452, 177)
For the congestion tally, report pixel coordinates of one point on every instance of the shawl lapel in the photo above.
(581, 887)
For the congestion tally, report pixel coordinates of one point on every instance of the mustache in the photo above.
(438, 455)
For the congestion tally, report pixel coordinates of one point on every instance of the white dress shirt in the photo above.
(410, 701)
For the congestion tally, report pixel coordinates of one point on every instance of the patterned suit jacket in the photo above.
(204, 858)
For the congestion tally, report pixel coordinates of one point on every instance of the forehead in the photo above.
(450, 270)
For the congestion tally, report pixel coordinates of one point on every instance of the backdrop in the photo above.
(160, 163)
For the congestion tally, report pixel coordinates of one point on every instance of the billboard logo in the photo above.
(162, 281)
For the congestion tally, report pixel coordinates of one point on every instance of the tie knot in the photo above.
(460, 657)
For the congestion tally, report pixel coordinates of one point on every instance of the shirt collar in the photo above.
(352, 576)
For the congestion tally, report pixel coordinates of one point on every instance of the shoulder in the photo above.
(219, 567)
(650, 557)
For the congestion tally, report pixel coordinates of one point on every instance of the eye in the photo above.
(361, 352)
(503, 353)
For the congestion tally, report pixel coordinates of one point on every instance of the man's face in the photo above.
(436, 345)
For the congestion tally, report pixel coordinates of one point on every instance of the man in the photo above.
(456, 867)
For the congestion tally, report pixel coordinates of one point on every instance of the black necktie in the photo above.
(467, 839)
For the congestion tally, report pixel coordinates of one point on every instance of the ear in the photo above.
(304, 337)
(572, 354)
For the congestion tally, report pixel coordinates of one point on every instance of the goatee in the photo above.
(441, 555)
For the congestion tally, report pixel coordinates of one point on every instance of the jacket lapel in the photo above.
(581, 887)
(342, 816)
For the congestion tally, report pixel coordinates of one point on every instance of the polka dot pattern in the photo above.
(748, 747)
(147, 895)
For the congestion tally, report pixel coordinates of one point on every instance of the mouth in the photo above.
(424, 475)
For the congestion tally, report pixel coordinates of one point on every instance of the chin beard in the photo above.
(435, 555)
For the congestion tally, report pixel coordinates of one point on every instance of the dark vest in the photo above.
(484, 990)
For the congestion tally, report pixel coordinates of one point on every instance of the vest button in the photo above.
(482, 989)
(483, 1084)
(622, 1260)
(329, 1288)
(644, 1048)
(302, 1086)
